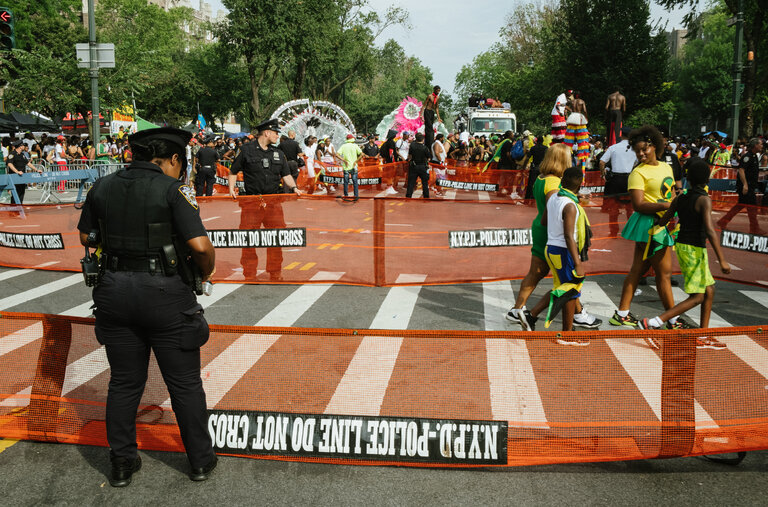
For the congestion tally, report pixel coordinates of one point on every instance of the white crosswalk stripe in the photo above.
(223, 372)
(20, 338)
(638, 360)
(7, 275)
(42, 290)
(742, 346)
(514, 393)
(365, 382)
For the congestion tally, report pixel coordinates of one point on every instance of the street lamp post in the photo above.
(669, 117)
(94, 73)
(737, 68)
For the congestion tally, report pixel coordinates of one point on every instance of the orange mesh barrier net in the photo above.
(376, 241)
(421, 398)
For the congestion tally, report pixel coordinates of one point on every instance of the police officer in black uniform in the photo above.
(746, 186)
(291, 150)
(206, 160)
(264, 168)
(148, 222)
(418, 155)
(17, 164)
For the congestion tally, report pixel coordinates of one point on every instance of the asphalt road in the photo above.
(42, 474)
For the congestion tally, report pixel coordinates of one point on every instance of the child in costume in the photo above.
(694, 210)
(568, 237)
(547, 184)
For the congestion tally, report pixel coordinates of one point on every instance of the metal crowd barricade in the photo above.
(46, 178)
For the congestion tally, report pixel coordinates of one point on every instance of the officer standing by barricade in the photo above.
(17, 163)
(205, 161)
(148, 225)
(291, 150)
(747, 180)
(264, 167)
(419, 159)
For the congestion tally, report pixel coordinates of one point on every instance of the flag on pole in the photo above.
(201, 121)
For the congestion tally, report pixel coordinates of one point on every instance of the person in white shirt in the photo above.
(59, 151)
(327, 156)
(558, 117)
(309, 151)
(403, 145)
(622, 160)
(438, 150)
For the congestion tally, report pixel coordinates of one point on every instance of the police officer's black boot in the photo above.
(122, 470)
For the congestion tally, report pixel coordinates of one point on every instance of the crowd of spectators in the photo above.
(50, 152)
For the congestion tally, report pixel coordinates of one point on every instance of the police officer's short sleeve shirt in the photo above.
(751, 166)
(181, 200)
(19, 162)
(186, 212)
(207, 157)
(262, 169)
(419, 154)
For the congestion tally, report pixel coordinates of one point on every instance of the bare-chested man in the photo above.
(578, 105)
(430, 110)
(616, 105)
(576, 132)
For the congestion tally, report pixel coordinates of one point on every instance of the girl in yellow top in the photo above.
(651, 188)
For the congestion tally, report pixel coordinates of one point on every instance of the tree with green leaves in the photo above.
(150, 49)
(302, 48)
(704, 76)
(607, 45)
(396, 76)
(42, 73)
(591, 46)
(755, 28)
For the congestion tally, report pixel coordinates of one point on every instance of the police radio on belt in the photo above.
(90, 265)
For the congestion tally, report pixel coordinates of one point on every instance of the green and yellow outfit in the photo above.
(541, 187)
(657, 183)
(102, 153)
(691, 244)
(567, 285)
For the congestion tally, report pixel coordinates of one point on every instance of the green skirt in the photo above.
(637, 227)
(539, 237)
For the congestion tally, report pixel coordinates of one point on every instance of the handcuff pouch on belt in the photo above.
(175, 255)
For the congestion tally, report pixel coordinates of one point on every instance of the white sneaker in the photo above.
(391, 191)
(586, 320)
(322, 191)
(522, 317)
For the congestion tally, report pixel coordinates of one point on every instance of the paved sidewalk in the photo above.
(35, 196)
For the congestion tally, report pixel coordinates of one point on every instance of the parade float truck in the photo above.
(490, 121)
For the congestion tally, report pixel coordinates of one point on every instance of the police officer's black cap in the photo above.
(17, 143)
(270, 124)
(174, 135)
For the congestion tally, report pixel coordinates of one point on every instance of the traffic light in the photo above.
(7, 35)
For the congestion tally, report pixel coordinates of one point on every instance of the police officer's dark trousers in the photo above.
(136, 312)
(418, 172)
(204, 181)
(429, 129)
